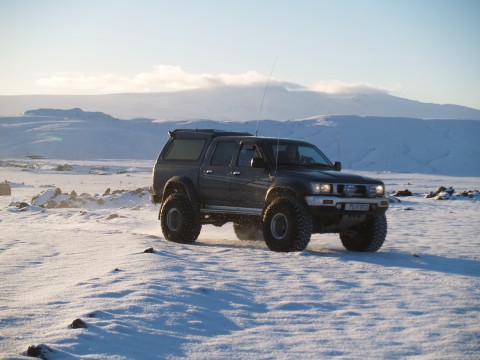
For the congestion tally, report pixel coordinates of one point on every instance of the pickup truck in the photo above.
(277, 190)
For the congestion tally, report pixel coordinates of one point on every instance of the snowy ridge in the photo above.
(448, 147)
(75, 113)
(283, 101)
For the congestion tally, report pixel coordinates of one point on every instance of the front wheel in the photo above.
(287, 225)
(368, 236)
(180, 219)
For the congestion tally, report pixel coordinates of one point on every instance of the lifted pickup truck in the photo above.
(278, 190)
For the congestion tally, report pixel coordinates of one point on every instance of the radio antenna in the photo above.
(263, 98)
(276, 155)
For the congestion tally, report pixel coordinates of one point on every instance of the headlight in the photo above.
(376, 190)
(319, 188)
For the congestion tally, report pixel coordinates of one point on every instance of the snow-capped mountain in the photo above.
(240, 103)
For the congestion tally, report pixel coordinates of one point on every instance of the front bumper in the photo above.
(351, 205)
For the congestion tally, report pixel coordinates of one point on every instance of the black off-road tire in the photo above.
(287, 225)
(248, 230)
(180, 219)
(369, 236)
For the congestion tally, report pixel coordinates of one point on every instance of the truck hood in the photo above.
(328, 176)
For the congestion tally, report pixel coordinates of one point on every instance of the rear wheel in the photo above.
(287, 225)
(180, 219)
(368, 236)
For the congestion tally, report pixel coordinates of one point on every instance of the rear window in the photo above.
(185, 149)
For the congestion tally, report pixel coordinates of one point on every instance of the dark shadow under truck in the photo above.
(278, 190)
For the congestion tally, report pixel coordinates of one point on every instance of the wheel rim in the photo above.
(173, 219)
(279, 226)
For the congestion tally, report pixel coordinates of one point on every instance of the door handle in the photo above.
(208, 171)
(236, 173)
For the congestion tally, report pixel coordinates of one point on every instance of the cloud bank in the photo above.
(170, 78)
(337, 86)
(163, 78)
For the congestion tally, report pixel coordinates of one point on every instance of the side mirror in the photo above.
(337, 165)
(258, 163)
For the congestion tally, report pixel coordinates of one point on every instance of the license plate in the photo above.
(357, 207)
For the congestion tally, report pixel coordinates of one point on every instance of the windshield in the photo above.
(297, 154)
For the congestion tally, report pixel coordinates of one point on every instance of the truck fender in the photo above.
(285, 188)
(180, 184)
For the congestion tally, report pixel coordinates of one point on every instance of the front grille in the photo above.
(352, 190)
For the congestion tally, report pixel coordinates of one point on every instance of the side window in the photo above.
(223, 153)
(247, 153)
(185, 149)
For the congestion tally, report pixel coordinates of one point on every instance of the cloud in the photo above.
(337, 86)
(161, 78)
(169, 78)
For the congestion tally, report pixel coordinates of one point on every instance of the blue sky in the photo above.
(421, 49)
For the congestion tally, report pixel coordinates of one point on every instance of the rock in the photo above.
(51, 204)
(107, 192)
(442, 193)
(78, 324)
(34, 351)
(450, 191)
(149, 250)
(443, 196)
(64, 204)
(112, 216)
(45, 197)
(65, 167)
(405, 192)
(38, 351)
(5, 189)
(470, 193)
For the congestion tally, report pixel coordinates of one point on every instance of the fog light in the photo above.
(339, 206)
(350, 189)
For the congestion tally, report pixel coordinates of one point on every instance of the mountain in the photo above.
(240, 103)
(397, 144)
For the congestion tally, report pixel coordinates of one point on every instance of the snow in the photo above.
(79, 252)
(418, 297)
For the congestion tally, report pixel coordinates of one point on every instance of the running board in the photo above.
(217, 209)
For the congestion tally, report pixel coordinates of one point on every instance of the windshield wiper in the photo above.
(296, 164)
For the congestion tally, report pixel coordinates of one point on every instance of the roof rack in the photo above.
(212, 132)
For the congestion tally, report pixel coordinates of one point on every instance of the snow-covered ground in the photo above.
(221, 298)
